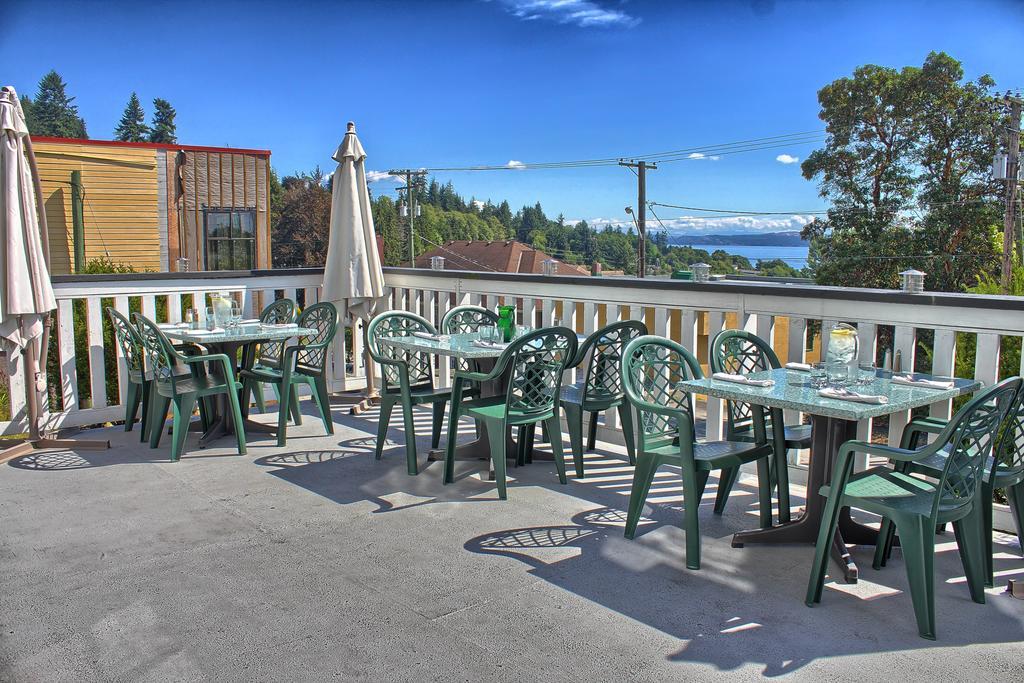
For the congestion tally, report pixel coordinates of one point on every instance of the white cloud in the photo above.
(726, 225)
(787, 159)
(378, 176)
(583, 13)
(699, 155)
(515, 164)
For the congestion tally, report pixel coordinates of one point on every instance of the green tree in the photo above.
(164, 129)
(132, 127)
(52, 112)
(904, 167)
(300, 233)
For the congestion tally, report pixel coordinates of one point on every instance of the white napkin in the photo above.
(743, 379)
(250, 321)
(798, 366)
(432, 337)
(484, 344)
(846, 395)
(202, 333)
(279, 325)
(171, 326)
(921, 382)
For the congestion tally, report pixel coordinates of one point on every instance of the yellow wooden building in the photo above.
(156, 207)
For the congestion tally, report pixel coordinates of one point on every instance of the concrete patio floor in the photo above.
(317, 562)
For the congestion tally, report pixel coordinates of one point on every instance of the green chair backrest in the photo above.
(160, 354)
(418, 363)
(130, 342)
(1009, 449)
(534, 364)
(602, 379)
(651, 368)
(280, 311)
(311, 358)
(740, 352)
(465, 319)
(970, 437)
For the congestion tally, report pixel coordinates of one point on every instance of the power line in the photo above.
(455, 254)
(689, 153)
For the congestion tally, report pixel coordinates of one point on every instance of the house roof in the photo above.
(153, 145)
(503, 256)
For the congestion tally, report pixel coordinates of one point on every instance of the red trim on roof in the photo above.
(155, 145)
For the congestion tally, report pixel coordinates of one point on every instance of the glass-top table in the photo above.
(834, 421)
(228, 341)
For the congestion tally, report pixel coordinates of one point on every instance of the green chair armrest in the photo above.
(229, 367)
(896, 454)
(473, 376)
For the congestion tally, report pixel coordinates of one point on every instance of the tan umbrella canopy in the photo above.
(27, 297)
(27, 294)
(353, 278)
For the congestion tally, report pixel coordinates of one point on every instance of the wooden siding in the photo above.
(221, 179)
(121, 211)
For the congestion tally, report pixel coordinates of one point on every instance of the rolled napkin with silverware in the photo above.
(847, 395)
(804, 367)
(432, 337)
(909, 381)
(279, 326)
(743, 379)
(484, 344)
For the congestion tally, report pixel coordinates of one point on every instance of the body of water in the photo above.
(794, 256)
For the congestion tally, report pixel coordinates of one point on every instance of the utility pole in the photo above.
(640, 167)
(413, 182)
(1012, 169)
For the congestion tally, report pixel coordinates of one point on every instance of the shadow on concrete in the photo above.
(732, 612)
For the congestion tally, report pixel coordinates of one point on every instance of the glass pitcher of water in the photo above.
(843, 350)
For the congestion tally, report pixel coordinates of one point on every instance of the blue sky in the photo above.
(464, 82)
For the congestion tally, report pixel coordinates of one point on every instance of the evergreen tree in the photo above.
(132, 127)
(52, 112)
(164, 129)
(26, 106)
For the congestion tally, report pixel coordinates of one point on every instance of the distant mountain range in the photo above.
(763, 239)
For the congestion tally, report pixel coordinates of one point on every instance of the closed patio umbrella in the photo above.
(353, 278)
(27, 295)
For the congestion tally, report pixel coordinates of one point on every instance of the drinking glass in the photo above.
(867, 373)
(818, 376)
(838, 373)
(236, 317)
(211, 321)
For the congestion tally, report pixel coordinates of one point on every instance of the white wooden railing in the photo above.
(685, 311)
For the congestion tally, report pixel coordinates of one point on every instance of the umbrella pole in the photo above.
(35, 366)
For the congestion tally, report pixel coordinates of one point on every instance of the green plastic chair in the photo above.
(533, 364)
(465, 319)
(270, 354)
(407, 378)
(652, 370)
(741, 352)
(601, 388)
(1004, 470)
(303, 363)
(137, 393)
(915, 505)
(184, 391)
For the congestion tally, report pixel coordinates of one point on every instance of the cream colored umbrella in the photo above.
(353, 278)
(27, 296)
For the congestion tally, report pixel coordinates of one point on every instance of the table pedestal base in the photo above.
(829, 435)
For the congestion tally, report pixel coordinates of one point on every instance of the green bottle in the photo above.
(507, 322)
